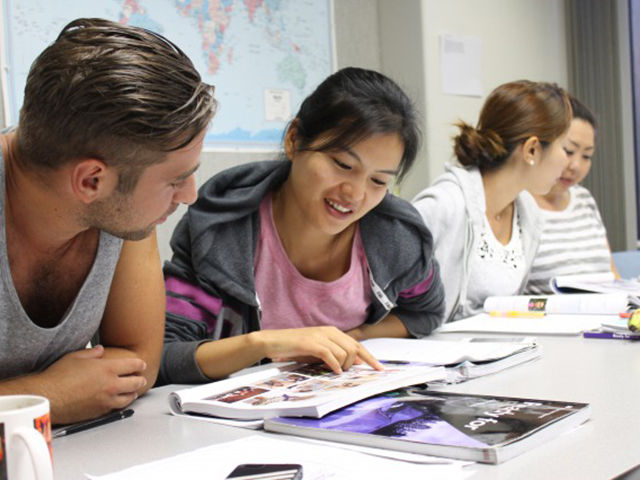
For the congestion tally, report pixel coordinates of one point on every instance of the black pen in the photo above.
(96, 422)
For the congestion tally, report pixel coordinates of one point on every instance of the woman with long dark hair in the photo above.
(302, 258)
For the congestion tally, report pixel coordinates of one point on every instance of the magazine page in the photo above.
(435, 422)
(297, 390)
(586, 303)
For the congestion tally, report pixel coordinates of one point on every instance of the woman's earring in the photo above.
(531, 162)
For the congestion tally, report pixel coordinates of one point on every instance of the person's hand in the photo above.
(83, 384)
(336, 349)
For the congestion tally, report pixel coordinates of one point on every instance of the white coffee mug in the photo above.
(25, 438)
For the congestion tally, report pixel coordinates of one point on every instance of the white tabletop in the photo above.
(604, 373)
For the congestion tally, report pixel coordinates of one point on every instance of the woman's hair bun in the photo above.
(477, 147)
(513, 113)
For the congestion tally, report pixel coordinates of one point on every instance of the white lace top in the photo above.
(496, 269)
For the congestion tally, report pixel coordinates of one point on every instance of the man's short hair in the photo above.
(122, 94)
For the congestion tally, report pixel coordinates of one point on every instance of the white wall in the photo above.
(521, 39)
(402, 47)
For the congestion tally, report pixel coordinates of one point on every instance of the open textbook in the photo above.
(463, 360)
(480, 428)
(597, 283)
(296, 390)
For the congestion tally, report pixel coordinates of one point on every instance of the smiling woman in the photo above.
(301, 258)
(331, 191)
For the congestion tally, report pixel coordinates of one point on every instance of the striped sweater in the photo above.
(574, 241)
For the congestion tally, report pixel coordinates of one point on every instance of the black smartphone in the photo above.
(270, 471)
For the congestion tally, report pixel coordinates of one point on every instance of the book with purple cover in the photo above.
(480, 428)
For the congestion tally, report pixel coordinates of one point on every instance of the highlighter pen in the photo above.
(96, 422)
(633, 323)
(514, 314)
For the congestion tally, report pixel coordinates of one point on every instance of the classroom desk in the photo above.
(605, 373)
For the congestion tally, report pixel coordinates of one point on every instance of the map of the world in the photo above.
(263, 56)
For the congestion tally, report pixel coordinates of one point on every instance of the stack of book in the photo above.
(393, 408)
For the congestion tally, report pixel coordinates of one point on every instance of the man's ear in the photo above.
(291, 140)
(90, 180)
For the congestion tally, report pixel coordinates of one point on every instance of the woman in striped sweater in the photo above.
(574, 240)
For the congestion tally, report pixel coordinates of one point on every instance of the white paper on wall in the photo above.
(461, 65)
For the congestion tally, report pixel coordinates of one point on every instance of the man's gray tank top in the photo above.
(24, 346)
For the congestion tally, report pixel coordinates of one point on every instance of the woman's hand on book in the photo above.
(307, 345)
